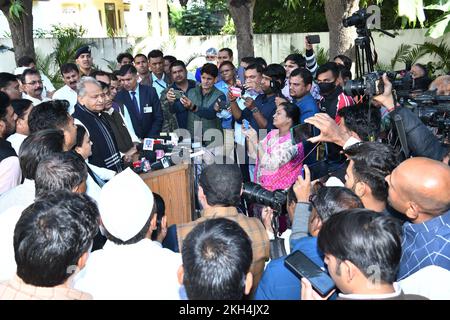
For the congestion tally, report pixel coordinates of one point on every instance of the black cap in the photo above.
(82, 50)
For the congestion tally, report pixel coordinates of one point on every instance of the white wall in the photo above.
(273, 47)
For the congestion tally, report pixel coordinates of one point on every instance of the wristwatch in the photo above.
(255, 110)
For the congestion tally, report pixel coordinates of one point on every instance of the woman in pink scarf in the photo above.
(278, 161)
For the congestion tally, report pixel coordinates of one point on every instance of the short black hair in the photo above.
(344, 72)
(28, 72)
(221, 184)
(255, 66)
(356, 119)
(38, 146)
(100, 73)
(277, 73)
(217, 255)
(49, 115)
(21, 106)
(331, 200)
(6, 78)
(346, 60)
(140, 55)
(228, 50)
(329, 66)
(372, 162)
(81, 131)
(303, 73)
(292, 112)
(51, 236)
(227, 63)
(298, 59)
(178, 63)
(210, 69)
(127, 68)
(155, 54)
(25, 61)
(170, 58)
(367, 239)
(68, 67)
(261, 61)
(248, 60)
(5, 102)
(60, 171)
(160, 213)
(122, 55)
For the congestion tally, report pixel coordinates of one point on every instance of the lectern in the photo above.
(176, 186)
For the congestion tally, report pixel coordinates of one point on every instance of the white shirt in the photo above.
(67, 93)
(34, 101)
(8, 221)
(16, 140)
(432, 282)
(10, 174)
(355, 296)
(142, 270)
(92, 188)
(22, 195)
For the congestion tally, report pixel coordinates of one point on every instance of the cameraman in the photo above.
(420, 140)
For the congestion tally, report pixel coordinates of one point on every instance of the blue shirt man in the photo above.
(300, 83)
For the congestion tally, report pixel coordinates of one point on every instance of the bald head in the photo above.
(422, 185)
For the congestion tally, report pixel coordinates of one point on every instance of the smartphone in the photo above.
(301, 132)
(246, 124)
(223, 105)
(302, 266)
(302, 172)
(313, 39)
(178, 94)
(236, 92)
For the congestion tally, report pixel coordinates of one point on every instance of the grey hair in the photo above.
(81, 85)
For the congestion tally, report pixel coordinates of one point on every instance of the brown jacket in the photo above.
(253, 226)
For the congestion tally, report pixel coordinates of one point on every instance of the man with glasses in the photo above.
(32, 86)
(88, 112)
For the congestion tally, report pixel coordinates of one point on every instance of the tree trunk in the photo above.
(21, 29)
(242, 13)
(341, 39)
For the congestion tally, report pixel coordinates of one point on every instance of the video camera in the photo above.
(357, 19)
(372, 84)
(275, 199)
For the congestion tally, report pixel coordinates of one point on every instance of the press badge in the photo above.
(148, 109)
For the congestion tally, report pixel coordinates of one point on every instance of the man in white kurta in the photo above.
(130, 265)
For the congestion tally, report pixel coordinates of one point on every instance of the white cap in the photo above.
(125, 205)
(334, 182)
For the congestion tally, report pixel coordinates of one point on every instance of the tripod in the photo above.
(365, 59)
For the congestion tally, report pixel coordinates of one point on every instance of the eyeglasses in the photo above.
(32, 83)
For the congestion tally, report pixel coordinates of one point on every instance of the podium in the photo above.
(176, 186)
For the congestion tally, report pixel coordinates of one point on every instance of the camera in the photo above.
(357, 19)
(372, 84)
(275, 199)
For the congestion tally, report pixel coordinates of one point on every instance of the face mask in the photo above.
(326, 87)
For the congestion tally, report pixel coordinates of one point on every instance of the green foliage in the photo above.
(111, 64)
(442, 51)
(413, 11)
(195, 21)
(16, 9)
(322, 56)
(68, 41)
(228, 27)
(278, 16)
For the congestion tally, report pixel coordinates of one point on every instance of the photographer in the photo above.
(420, 140)
(277, 281)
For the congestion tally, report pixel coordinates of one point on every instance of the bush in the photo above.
(195, 21)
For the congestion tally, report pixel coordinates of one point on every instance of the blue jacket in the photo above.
(147, 124)
(278, 282)
(308, 107)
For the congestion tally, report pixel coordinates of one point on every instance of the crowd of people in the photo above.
(76, 222)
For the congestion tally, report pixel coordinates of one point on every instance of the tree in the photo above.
(20, 20)
(242, 13)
